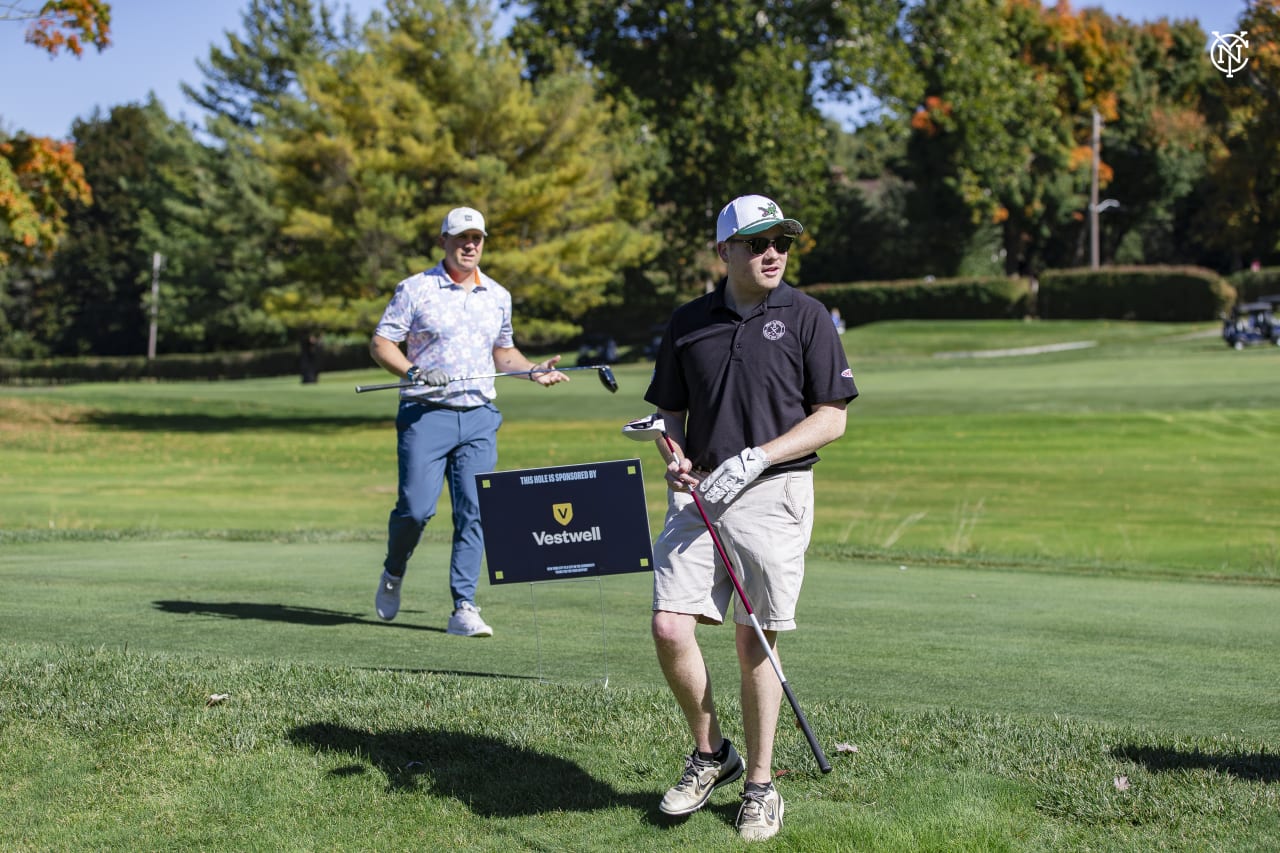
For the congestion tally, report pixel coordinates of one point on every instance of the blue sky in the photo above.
(155, 45)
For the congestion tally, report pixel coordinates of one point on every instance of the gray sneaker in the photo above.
(760, 815)
(700, 778)
(387, 601)
(466, 622)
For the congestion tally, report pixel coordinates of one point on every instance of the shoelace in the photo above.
(693, 765)
(752, 805)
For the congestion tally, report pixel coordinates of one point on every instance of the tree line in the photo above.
(601, 139)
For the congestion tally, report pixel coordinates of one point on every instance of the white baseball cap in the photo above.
(463, 219)
(751, 214)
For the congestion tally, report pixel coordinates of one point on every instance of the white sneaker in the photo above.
(466, 622)
(387, 601)
(760, 815)
(699, 779)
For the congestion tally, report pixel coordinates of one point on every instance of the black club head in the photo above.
(607, 379)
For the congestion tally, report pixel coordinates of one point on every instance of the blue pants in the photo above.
(434, 443)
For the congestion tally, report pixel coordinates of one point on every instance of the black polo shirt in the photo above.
(745, 381)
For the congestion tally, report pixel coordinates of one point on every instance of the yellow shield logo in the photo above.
(563, 513)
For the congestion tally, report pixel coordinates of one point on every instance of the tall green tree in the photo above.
(254, 77)
(991, 140)
(1157, 147)
(258, 67)
(96, 297)
(159, 191)
(428, 114)
(728, 92)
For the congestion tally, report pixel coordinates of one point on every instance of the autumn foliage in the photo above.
(70, 24)
(38, 177)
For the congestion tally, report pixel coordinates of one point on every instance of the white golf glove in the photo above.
(733, 475)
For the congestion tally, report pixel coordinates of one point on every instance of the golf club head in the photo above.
(648, 428)
(606, 378)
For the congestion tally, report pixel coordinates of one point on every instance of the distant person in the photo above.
(751, 381)
(837, 320)
(455, 322)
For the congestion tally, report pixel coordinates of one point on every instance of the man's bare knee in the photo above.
(672, 630)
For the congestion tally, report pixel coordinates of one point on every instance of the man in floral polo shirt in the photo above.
(454, 321)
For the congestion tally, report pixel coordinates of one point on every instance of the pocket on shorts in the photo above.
(797, 495)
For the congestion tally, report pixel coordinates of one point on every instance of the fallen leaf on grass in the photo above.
(216, 699)
(846, 747)
(1121, 783)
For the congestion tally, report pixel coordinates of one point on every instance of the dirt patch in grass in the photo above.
(18, 415)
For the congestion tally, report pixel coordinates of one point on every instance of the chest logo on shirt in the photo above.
(774, 330)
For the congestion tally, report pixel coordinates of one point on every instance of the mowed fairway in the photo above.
(1040, 613)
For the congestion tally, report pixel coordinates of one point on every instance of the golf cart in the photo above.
(1251, 323)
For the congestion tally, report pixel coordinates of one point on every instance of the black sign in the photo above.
(571, 521)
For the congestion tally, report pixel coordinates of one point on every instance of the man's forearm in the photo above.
(389, 355)
(824, 425)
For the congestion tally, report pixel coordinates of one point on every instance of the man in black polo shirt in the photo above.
(751, 380)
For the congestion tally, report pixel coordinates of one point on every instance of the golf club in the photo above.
(602, 370)
(650, 428)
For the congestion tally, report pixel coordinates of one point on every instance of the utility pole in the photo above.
(156, 260)
(1093, 193)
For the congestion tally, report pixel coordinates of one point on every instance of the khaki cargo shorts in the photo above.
(765, 531)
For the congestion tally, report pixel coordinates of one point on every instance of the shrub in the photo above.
(1165, 294)
(978, 298)
(226, 365)
(1251, 286)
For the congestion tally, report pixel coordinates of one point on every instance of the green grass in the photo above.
(1040, 603)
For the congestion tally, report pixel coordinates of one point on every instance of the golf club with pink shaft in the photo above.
(651, 428)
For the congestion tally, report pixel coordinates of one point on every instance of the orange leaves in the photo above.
(931, 118)
(70, 24)
(38, 176)
(1081, 157)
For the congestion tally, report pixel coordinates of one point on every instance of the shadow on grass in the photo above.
(315, 616)
(1253, 767)
(491, 777)
(201, 423)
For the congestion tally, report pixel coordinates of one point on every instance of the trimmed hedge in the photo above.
(1252, 286)
(986, 298)
(212, 366)
(1164, 294)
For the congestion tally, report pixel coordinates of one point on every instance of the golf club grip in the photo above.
(823, 764)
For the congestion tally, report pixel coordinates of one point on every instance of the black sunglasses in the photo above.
(758, 245)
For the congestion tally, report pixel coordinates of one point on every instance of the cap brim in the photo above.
(790, 226)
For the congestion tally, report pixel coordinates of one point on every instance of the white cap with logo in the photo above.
(463, 219)
(751, 214)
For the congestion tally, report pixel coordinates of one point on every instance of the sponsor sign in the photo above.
(571, 521)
